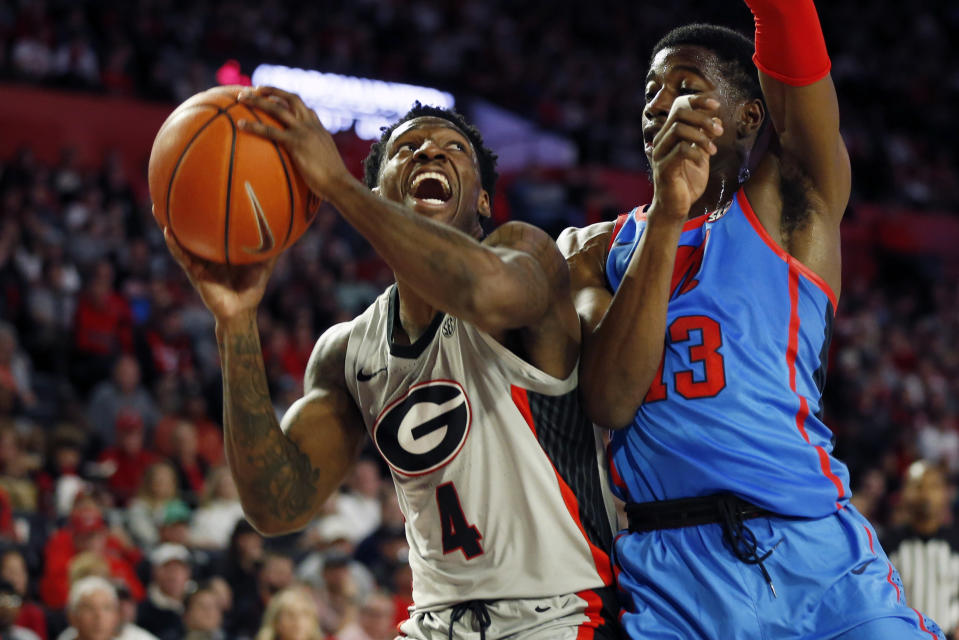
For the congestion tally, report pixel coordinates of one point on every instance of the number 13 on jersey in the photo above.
(458, 533)
(687, 382)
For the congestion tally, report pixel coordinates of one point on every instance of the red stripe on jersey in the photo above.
(792, 350)
(696, 222)
(889, 580)
(620, 221)
(594, 608)
(521, 400)
(791, 261)
(922, 624)
(613, 471)
(801, 416)
(827, 470)
(869, 533)
(600, 557)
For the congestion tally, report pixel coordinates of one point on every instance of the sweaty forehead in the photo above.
(688, 58)
(426, 125)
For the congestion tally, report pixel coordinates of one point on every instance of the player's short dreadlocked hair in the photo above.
(487, 159)
(733, 49)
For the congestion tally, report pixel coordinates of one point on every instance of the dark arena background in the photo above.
(103, 343)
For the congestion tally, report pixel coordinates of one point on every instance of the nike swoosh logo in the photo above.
(262, 226)
(861, 568)
(362, 376)
(541, 609)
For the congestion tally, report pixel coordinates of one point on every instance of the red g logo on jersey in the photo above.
(424, 429)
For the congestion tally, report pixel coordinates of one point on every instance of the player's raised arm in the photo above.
(508, 282)
(794, 74)
(283, 475)
(623, 333)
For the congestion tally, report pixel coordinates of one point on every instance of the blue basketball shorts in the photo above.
(831, 579)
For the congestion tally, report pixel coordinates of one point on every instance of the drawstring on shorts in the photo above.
(724, 509)
(479, 611)
(741, 539)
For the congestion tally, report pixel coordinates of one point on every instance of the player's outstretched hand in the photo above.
(228, 291)
(681, 153)
(304, 137)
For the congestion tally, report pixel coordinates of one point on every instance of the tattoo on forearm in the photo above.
(273, 471)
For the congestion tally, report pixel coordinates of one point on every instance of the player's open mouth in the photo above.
(431, 187)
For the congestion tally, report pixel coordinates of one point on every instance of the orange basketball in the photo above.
(227, 195)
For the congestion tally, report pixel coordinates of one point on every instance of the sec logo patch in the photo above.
(424, 429)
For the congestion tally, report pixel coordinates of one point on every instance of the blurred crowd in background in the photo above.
(576, 68)
(111, 447)
(111, 451)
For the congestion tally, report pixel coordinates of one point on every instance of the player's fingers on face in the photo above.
(687, 152)
(704, 103)
(677, 133)
(705, 120)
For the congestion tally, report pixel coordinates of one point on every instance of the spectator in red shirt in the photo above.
(169, 344)
(402, 591)
(103, 328)
(85, 531)
(297, 353)
(13, 569)
(126, 462)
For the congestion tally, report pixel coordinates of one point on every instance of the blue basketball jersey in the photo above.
(736, 405)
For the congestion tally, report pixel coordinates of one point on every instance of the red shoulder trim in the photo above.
(620, 221)
(809, 274)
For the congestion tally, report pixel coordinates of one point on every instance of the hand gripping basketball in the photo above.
(298, 130)
(225, 194)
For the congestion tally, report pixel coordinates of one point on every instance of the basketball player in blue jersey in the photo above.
(739, 520)
(463, 374)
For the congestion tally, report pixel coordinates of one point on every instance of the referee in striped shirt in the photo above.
(925, 549)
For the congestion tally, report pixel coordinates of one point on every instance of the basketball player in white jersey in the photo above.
(463, 374)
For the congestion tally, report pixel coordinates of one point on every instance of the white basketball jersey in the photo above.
(498, 471)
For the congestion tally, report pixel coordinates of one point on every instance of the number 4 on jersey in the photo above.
(457, 532)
